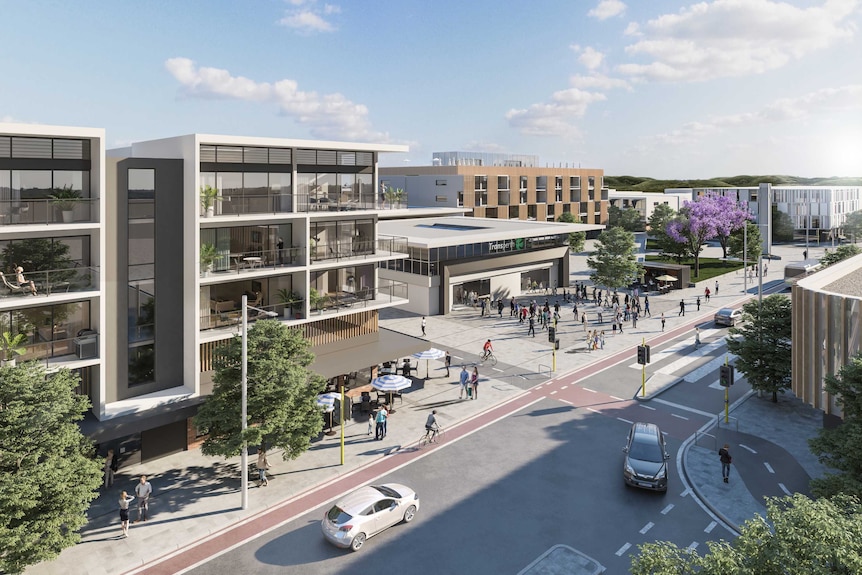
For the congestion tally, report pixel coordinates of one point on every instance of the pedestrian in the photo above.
(482, 308)
(474, 382)
(448, 361)
(500, 308)
(380, 427)
(125, 499)
(646, 306)
(532, 329)
(681, 308)
(716, 287)
(601, 319)
(423, 326)
(602, 339)
(698, 303)
(620, 321)
(662, 321)
(584, 320)
(110, 468)
(706, 294)
(696, 337)
(143, 490)
(262, 466)
(512, 307)
(465, 377)
(614, 326)
(370, 423)
(765, 269)
(634, 319)
(575, 311)
(726, 460)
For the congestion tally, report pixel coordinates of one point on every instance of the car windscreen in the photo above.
(646, 450)
(387, 491)
(337, 515)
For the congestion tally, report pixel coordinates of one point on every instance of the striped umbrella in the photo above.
(432, 353)
(390, 383)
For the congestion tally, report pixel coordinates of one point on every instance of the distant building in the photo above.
(645, 202)
(503, 186)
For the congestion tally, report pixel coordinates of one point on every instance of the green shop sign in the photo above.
(507, 245)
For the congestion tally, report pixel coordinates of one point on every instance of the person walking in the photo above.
(575, 311)
(125, 499)
(716, 287)
(448, 361)
(706, 294)
(602, 339)
(110, 468)
(532, 328)
(370, 423)
(423, 326)
(662, 321)
(726, 459)
(646, 306)
(262, 466)
(698, 303)
(600, 317)
(474, 382)
(465, 377)
(584, 320)
(380, 421)
(143, 490)
(634, 319)
(482, 308)
(681, 308)
(512, 307)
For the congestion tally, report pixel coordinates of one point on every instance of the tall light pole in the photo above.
(745, 257)
(244, 402)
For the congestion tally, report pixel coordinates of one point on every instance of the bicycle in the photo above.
(488, 358)
(431, 436)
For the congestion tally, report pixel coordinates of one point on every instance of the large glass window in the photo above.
(142, 193)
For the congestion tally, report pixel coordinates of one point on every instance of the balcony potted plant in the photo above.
(12, 346)
(317, 300)
(292, 301)
(209, 196)
(209, 255)
(66, 199)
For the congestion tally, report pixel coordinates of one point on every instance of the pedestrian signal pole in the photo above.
(643, 359)
(726, 376)
(552, 337)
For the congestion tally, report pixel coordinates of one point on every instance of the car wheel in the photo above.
(410, 514)
(357, 542)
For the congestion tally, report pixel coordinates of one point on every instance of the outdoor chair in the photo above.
(15, 288)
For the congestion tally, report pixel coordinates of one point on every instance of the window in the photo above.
(503, 183)
(142, 193)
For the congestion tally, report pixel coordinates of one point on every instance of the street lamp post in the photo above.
(745, 257)
(244, 403)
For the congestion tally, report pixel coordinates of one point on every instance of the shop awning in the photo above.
(362, 352)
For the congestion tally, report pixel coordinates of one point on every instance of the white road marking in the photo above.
(522, 377)
(646, 406)
(593, 410)
(457, 357)
(678, 416)
(685, 493)
(667, 509)
(590, 390)
(617, 398)
(683, 407)
(707, 368)
(497, 369)
(553, 392)
(684, 346)
(716, 385)
(693, 545)
(623, 549)
(565, 387)
(768, 467)
(784, 489)
(710, 527)
(625, 420)
(647, 527)
(747, 448)
(566, 401)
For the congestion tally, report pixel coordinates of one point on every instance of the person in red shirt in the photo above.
(488, 348)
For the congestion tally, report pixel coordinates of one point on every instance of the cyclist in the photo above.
(487, 350)
(431, 426)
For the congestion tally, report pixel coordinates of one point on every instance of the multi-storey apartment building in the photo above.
(503, 186)
(52, 217)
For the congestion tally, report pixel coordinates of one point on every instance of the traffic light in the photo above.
(552, 334)
(643, 354)
(725, 375)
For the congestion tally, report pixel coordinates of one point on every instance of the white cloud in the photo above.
(727, 38)
(607, 9)
(633, 29)
(554, 118)
(308, 18)
(591, 58)
(598, 82)
(327, 116)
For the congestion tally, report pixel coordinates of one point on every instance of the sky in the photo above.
(658, 88)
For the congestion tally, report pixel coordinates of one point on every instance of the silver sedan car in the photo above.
(727, 316)
(368, 511)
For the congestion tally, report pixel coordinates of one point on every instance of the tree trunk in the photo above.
(774, 396)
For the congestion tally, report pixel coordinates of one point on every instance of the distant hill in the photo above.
(651, 185)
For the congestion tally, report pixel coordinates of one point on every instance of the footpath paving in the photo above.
(198, 498)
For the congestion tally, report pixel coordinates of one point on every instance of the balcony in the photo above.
(335, 302)
(62, 352)
(245, 205)
(384, 246)
(48, 211)
(50, 282)
(322, 202)
(255, 260)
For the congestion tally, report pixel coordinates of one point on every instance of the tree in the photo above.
(737, 242)
(838, 447)
(692, 230)
(575, 240)
(48, 475)
(853, 224)
(840, 253)
(763, 351)
(729, 217)
(801, 536)
(661, 216)
(782, 226)
(614, 263)
(282, 412)
(627, 218)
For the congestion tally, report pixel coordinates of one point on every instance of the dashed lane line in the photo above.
(647, 527)
(667, 509)
(784, 489)
(617, 398)
(623, 549)
(693, 545)
(497, 369)
(710, 527)
(768, 467)
(747, 448)
(625, 421)
(553, 392)
(593, 410)
(590, 390)
(647, 406)
(678, 416)
(567, 401)
(565, 387)
(683, 407)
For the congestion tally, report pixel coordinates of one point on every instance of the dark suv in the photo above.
(645, 464)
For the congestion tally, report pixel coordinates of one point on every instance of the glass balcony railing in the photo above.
(342, 203)
(358, 249)
(50, 282)
(243, 205)
(340, 301)
(48, 211)
(239, 262)
(55, 352)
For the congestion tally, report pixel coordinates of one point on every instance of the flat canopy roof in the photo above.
(453, 231)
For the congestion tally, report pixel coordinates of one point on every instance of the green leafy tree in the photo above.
(840, 253)
(737, 241)
(575, 240)
(48, 475)
(838, 447)
(853, 224)
(782, 226)
(627, 218)
(614, 263)
(763, 351)
(663, 215)
(802, 537)
(282, 412)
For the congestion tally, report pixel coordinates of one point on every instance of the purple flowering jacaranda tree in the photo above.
(696, 223)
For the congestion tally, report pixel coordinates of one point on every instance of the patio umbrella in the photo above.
(428, 354)
(327, 402)
(666, 278)
(390, 383)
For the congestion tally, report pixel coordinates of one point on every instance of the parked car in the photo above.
(727, 316)
(645, 463)
(368, 511)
